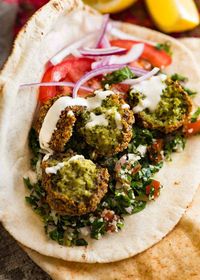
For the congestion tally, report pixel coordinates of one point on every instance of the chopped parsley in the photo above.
(166, 46)
(190, 92)
(118, 76)
(182, 79)
(35, 147)
(120, 200)
(141, 136)
(179, 78)
(174, 142)
(195, 115)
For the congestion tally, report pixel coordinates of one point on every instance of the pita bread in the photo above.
(176, 257)
(45, 34)
(193, 44)
(162, 261)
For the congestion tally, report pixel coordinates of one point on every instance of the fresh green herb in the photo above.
(81, 242)
(166, 46)
(35, 147)
(33, 142)
(66, 229)
(57, 235)
(139, 205)
(27, 183)
(123, 199)
(141, 136)
(190, 92)
(173, 143)
(32, 200)
(195, 115)
(178, 77)
(147, 171)
(98, 228)
(183, 79)
(118, 76)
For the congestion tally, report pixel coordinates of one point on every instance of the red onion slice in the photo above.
(150, 74)
(94, 73)
(102, 30)
(132, 55)
(100, 63)
(105, 42)
(64, 84)
(102, 52)
(138, 71)
(72, 47)
(105, 60)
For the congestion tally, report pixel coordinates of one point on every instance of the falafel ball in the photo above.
(172, 111)
(108, 128)
(74, 185)
(64, 126)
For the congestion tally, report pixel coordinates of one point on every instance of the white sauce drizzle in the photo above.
(54, 169)
(152, 90)
(96, 120)
(76, 157)
(118, 120)
(125, 106)
(96, 101)
(52, 117)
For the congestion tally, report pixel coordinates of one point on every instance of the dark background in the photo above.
(14, 262)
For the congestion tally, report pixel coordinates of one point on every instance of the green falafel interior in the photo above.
(111, 166)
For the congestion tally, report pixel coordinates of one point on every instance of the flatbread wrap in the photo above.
(33, 49)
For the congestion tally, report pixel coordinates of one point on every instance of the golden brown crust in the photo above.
(169, 127)
(64, 127)
(66, 206)
(42, 113)
(127, 122)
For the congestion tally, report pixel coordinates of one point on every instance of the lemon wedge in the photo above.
(174, 15)
(110, 6)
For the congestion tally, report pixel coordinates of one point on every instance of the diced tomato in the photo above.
(154, 150)
(124, 89)
(70, 70)
(156, 186)
(192, 128)
(156, 57)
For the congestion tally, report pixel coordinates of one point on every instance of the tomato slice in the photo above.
(192, 128)
(154, 184)
(158, 58)
(70, 70)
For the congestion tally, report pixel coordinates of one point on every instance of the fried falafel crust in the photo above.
(127, 122)
(66, 206)
(165, 127)
(64, 126)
